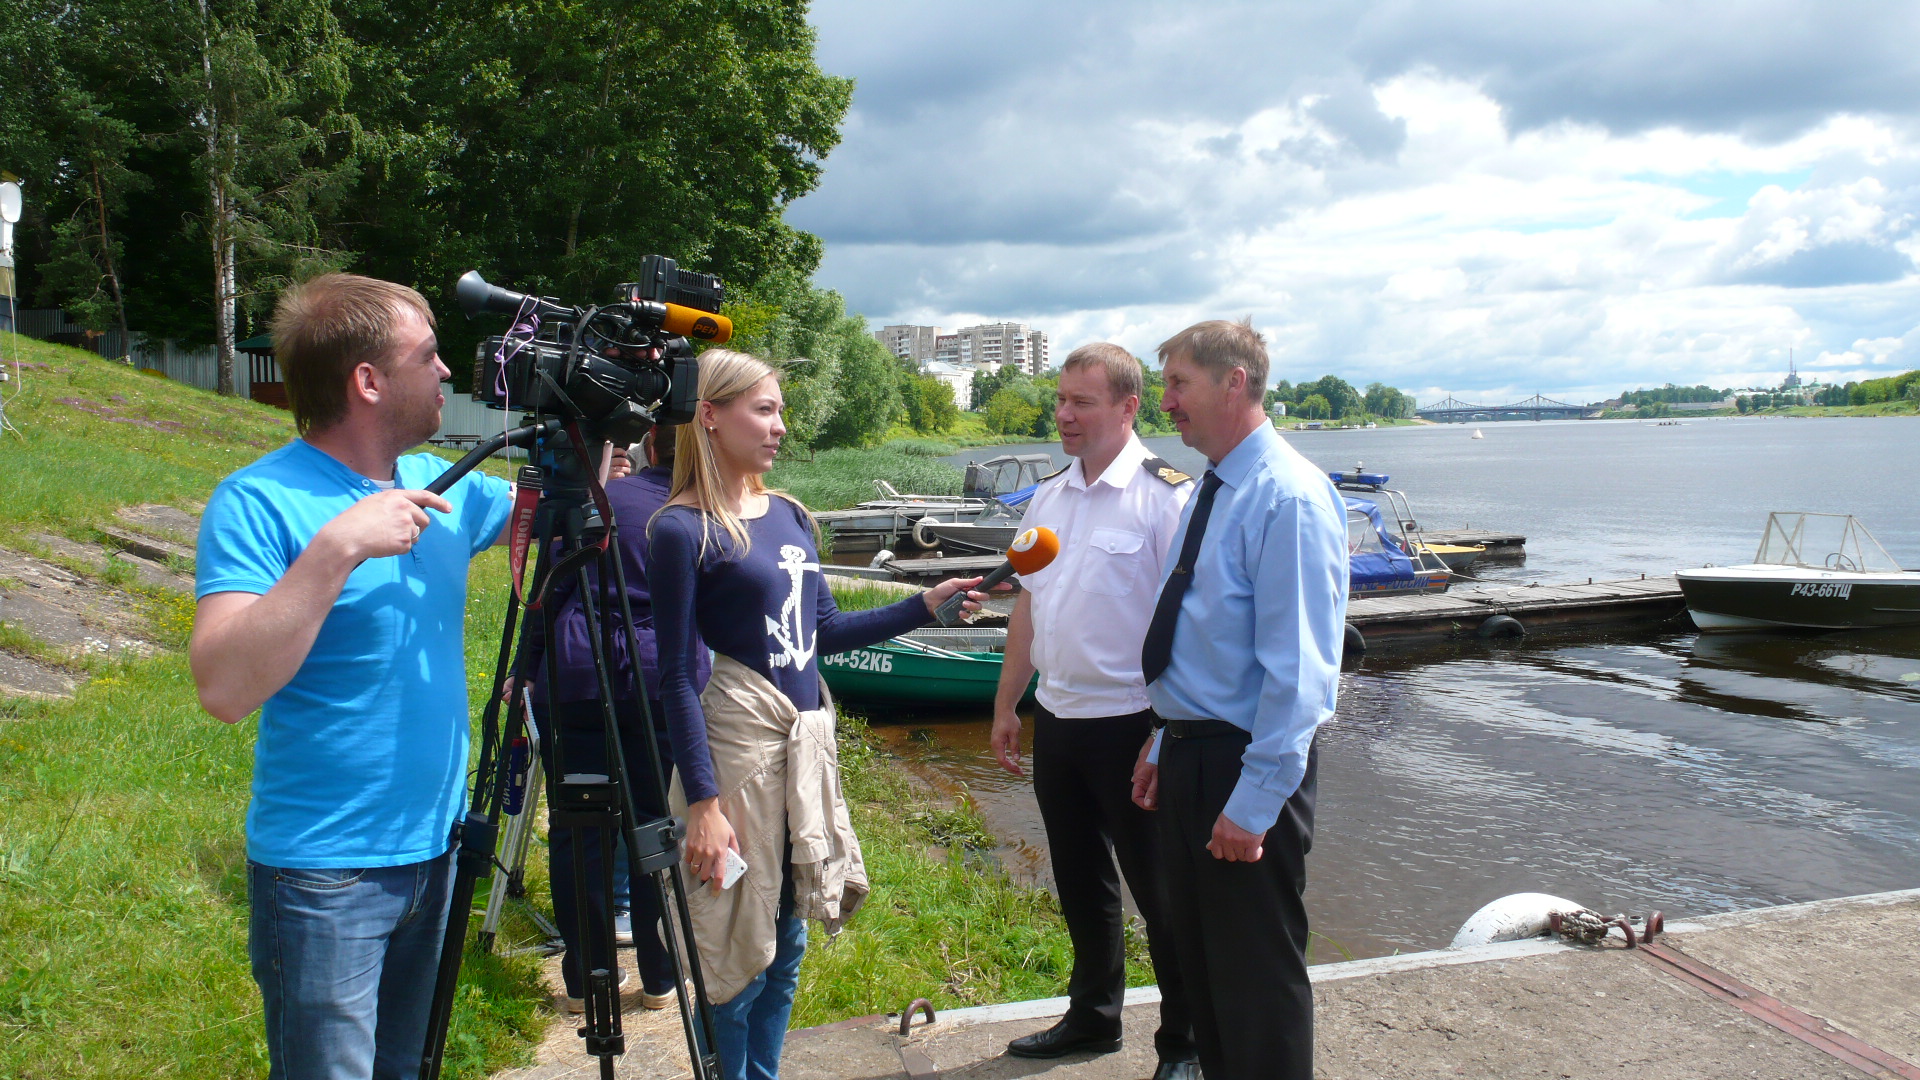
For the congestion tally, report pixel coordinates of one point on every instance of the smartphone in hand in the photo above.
(735, 867)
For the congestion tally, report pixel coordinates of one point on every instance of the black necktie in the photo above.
(1157, 651)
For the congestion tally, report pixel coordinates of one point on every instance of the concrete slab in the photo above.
(1856, 967)
(1522, 1009)
(21, 677)
(1571, 1016)
(151, 573)
(61, 608)
(158, 519)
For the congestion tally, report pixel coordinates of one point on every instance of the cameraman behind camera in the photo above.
(574, 716)
(333, 601)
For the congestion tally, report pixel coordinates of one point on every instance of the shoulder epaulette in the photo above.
(1057, 471)
(1164, 469)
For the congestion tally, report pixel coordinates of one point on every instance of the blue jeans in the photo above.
(752, 1028)
(346, 961)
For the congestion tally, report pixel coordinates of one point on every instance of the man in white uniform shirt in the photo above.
(1081, 622)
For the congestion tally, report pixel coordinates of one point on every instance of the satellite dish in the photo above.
(9, 201)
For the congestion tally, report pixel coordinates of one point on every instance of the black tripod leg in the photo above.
(478, 835)
(663, 865)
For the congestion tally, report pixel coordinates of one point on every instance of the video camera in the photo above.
(622, 367)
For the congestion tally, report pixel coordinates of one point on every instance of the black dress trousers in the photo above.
(1239, 929)
(1083, 781)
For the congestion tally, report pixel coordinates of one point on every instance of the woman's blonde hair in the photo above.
(724, 376)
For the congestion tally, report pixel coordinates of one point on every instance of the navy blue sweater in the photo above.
(770, 610)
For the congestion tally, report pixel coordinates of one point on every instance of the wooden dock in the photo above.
(1499, 545)
(1403, 620)
(928, 571)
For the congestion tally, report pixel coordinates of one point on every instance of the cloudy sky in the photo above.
(1488, 199)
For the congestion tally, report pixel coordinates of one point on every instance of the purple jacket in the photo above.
(635, 500)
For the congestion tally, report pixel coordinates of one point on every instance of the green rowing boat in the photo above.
(901, 672)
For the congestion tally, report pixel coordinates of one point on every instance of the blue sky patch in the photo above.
(1731, 191)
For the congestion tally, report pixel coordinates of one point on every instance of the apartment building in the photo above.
(915, 343)
(993, 345)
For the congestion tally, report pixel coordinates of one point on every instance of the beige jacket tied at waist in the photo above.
(778, 772)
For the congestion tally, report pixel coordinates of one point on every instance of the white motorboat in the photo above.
(1812, 572)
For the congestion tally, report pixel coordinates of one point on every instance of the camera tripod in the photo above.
(561, 500)
(526, 774)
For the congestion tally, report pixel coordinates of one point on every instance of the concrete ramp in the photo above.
(1524, 1009)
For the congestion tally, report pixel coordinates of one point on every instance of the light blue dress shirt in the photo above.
(1261, 628)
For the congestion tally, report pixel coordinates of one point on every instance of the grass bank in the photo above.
(1908, 407)
(836, 479)
(122, 854)
(970, 429)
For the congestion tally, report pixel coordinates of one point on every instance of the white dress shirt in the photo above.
(1091, 607)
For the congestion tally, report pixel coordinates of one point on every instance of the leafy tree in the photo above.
(83, 273)
(1010, 413)
(262, 88)
(553, 143)
(1315, 407)
(549, 143)
(1384, 401)
(847, 393)
(930, 405)
(1671, 394)
(1152, 419)
(988, 383)
(1340, 396)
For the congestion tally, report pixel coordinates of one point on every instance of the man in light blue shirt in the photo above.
(332, 596)
(1243, 664)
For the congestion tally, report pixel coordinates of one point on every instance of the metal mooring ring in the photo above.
(906, 1015)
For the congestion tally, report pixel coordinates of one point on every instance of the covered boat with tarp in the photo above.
(1386, 560)
(1812, 572)
(995, 489)
(1376, 563)
(989, 533)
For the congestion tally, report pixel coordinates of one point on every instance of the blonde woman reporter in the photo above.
(734, 564)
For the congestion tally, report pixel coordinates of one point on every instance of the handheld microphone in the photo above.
(693, 323)
(1032, 550)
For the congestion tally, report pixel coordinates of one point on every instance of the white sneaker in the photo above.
(579, 1005)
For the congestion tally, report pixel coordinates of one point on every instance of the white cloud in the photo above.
(1400, 225)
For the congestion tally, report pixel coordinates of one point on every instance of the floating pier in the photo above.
(1499, 545)
(1516, 611)
(929, 571)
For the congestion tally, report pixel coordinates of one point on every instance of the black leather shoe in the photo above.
(1177, 1070)
(1059, 1041)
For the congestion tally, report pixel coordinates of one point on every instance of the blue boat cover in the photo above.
(1369, 479)
(1375, 560)
(1021, 497)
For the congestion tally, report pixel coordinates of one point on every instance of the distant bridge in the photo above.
(1454, 411)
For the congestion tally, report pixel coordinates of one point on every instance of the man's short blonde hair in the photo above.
(1123, 369)
(1218, 346)
(325, 328)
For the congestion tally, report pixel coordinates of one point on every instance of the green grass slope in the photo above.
(122, 854)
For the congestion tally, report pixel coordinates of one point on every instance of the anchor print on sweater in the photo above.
(787, 632)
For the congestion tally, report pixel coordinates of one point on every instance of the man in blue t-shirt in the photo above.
(332, 595)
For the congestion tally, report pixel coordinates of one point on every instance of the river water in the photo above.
(1692, 774)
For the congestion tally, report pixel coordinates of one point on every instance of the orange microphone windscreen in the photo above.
(694, 323)
(1033, 549)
